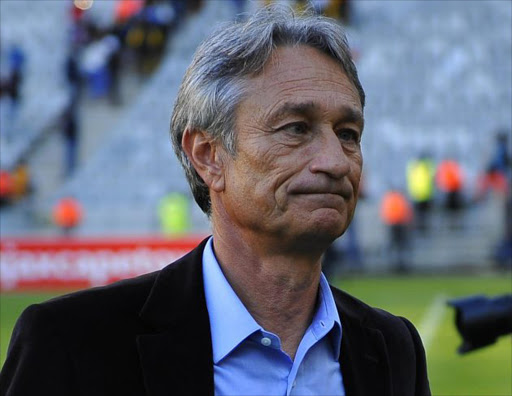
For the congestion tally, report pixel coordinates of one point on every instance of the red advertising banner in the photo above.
(44, 263)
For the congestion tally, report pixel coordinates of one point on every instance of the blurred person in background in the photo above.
(344, 10)
(267, 124)
(497, 179)
(15, 184)
(420, 174)
(501, 161)
(97, 64)
(449, 180)
(21, 180)
(6, 188)
(174, 214)
(396, 213)
(147, 32)
(70, 128)
(11, 82)
(16, 63)
(114, 69)
(500, 168)
(67, 214)
(345, 253)
(73, 72)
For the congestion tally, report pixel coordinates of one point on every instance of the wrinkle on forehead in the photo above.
(308, 69)
(273, 65)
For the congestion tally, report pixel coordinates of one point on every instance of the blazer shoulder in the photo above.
(107, 307)
(115, 305)
(120, 294)
(402, 340)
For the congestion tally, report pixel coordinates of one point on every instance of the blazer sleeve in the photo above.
(422, 384)
(37, 361)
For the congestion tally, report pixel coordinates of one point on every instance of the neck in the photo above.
(278, 289)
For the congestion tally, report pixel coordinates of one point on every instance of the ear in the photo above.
(206, 156)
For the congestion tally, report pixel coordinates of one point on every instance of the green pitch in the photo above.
(421, 299)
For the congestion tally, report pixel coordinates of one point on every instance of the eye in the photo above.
(296, 128)
(349, 135)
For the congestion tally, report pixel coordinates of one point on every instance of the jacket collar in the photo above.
(364, 358)
(176, 356)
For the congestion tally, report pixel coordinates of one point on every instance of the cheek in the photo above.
(272, 164)
(356, 168)
(356, 176)
(254, 182)
(270, 187)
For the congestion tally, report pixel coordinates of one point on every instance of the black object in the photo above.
(481, 320)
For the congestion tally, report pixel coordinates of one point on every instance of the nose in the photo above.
(329, 157)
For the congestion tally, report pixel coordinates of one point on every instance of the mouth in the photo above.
(313, 201)
(325, 195)
(343, 192)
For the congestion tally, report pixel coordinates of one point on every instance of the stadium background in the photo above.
(438, 78)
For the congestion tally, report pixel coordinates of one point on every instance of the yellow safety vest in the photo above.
(173, 212)
(420, 180)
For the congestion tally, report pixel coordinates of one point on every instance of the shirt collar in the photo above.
(327, 313)
(231, 323)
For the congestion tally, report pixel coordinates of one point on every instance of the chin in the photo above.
(322, 231)
(330, 221)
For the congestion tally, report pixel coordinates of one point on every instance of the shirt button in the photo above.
(322, 323)
(265, 341)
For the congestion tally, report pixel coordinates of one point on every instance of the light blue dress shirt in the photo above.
(249, 360)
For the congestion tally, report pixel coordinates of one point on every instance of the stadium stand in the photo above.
(437, 76)
(439, 80)
(38, 30)
(135, 166)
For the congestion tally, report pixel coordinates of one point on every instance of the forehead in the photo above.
(304, 74)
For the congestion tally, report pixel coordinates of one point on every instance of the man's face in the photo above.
(296, 173)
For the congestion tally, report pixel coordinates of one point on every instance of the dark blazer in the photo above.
(151, 336)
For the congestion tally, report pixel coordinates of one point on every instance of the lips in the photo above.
(341, 189)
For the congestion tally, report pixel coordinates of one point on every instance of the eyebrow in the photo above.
(350, 114)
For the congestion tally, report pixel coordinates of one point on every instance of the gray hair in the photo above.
(213, 85)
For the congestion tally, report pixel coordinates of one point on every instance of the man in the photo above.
(267, 124)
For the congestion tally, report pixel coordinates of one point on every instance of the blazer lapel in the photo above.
(176, 357)
(364, 359)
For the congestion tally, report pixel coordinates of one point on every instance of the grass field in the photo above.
(487, 371)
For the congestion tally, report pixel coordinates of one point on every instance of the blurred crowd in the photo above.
(134, 40)
(445, 184)
(98, 53)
